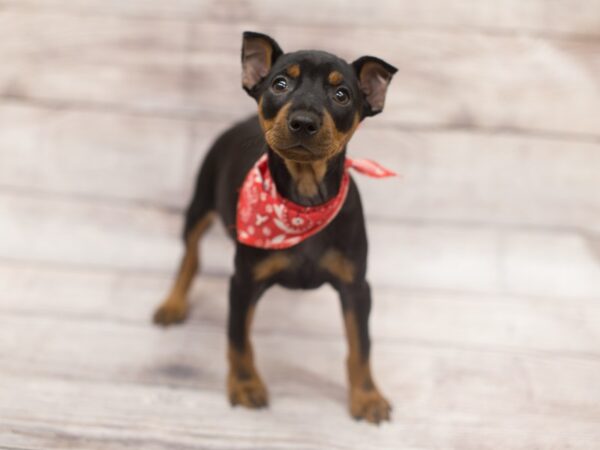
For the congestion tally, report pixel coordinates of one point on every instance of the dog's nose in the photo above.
(304, 123)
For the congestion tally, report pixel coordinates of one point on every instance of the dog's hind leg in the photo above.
(175, 307)
(199, 216)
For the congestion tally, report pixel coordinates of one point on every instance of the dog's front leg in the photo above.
(244, 384)
(366, 402)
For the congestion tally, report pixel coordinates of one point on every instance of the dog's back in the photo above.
(222, 172)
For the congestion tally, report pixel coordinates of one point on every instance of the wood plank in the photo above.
(107, 416)
(464, 177)
(572, 263)
(93, 61)
(50, 230)
(158, 391)
(482, 178)
(94, 154)
(536, 325)
(53, 230)
(495, 397)
(445, 176)
(446, 79)
(77, 232)
(485, 266)
(579, 17)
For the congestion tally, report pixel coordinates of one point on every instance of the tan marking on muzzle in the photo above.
(328, 142)
(279, 121)
(339, 139)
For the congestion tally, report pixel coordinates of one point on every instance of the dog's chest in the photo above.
(305, 270)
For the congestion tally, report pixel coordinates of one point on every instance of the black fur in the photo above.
(237, 149)
(221, 175)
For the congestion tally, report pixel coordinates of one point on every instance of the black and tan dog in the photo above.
(309, 105)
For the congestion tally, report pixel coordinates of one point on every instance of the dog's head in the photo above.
(310, 102)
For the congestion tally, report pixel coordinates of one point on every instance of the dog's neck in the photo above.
(307, 184)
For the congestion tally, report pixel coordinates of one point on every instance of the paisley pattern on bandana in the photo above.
(267, 220)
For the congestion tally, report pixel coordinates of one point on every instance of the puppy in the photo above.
(279, 182)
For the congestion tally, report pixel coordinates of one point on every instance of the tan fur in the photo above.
(307, 175)
(271, 125)
(335, 78)
(175, 307)
(338, 138)
(366, 402)
(244, 385)
(338, 265)
(293, 70)
(271, 265)
(241, 361)
(265, 124)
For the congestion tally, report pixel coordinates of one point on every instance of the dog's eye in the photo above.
(342, 96)
(280, 84)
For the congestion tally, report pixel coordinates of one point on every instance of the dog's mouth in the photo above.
(300, 150)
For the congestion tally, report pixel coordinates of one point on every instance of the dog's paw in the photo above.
(170, 312)
(247, 391)
(369, 405)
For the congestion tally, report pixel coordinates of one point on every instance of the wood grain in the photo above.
(464, 80)
(449, 176)
(543, 326)
(161, 382)
(158, 418)
(93, 61)
(484, 257)
(97, 155)
(579, 17)
(79, 233)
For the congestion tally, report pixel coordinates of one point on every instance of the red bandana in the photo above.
(267, 220)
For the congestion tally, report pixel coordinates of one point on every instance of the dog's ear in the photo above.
(259, 53)
(374, 76)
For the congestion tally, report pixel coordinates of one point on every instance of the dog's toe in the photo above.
(370, 406)
(170, 313)
(250, 393)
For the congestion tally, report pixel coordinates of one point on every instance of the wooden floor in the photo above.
(484, 259)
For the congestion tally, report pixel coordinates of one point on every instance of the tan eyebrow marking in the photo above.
(335, 78)
(293, 71)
